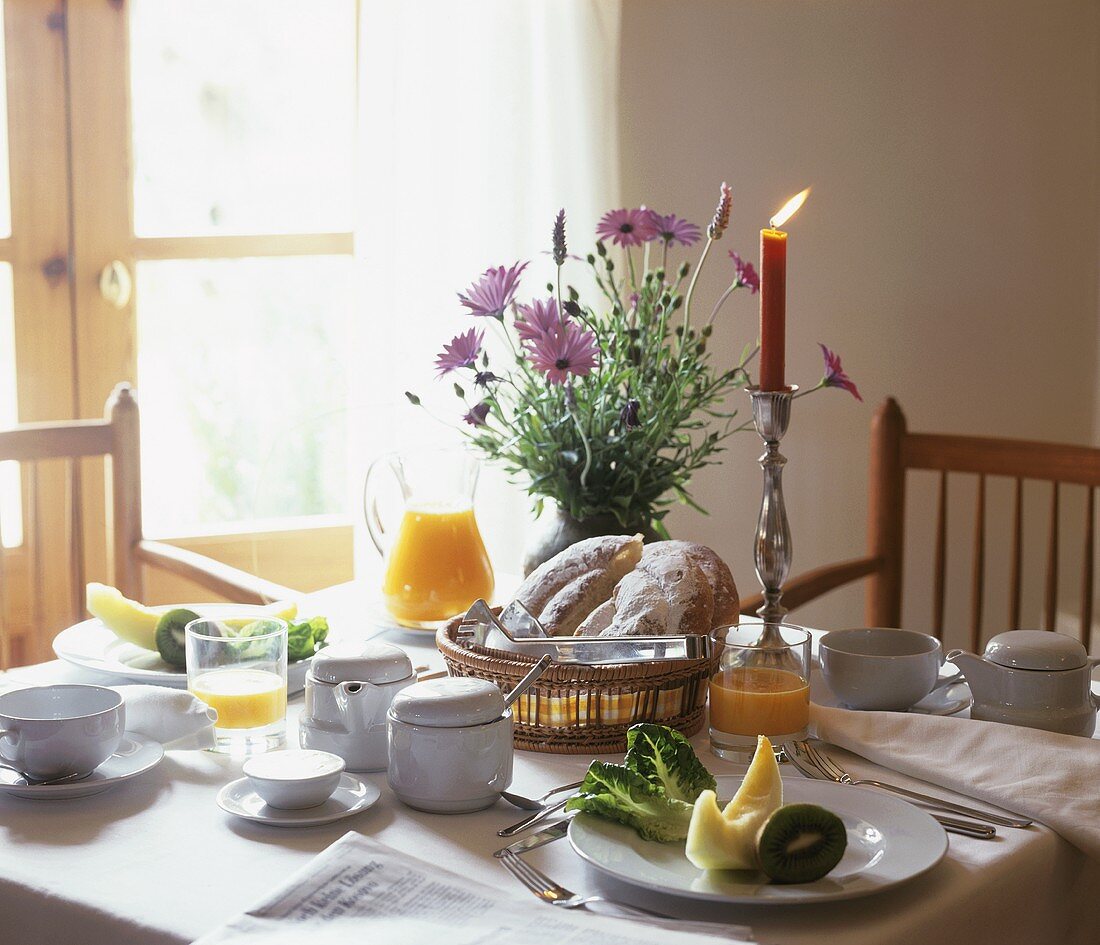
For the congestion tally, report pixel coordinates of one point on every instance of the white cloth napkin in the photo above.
(173, 717)
(1051, 778)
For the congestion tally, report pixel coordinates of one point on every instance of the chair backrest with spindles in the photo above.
(39, 448)
(894, 451)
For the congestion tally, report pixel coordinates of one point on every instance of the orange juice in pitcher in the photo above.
(436, 563)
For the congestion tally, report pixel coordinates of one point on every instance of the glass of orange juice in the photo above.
(759, 689)
(436, 564)
(238, 667)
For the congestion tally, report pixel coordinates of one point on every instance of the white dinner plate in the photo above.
(889, 842)
(90, 645)
(135, 755)
(352, 796)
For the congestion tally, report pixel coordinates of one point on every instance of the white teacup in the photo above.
(60, 731)
(880, 668)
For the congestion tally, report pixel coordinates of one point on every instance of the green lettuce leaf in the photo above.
(666, 760)
(306, 638)
(618, 793)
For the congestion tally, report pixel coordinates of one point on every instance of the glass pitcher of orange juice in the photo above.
(436, 564)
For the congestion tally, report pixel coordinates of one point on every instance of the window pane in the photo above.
(11, 510)
(241, 381)
(5, 181)
(243, 116)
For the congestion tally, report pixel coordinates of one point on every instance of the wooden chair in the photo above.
(116, 439)
(895, 451)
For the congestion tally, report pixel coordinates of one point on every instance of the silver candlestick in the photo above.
(771, 414)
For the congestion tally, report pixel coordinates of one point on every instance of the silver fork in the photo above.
(549, 891)
(832, 770)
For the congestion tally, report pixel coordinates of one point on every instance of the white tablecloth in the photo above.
(156, 860)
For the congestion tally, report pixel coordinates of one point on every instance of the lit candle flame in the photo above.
(789, 209)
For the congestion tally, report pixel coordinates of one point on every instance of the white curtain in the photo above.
(478, 121)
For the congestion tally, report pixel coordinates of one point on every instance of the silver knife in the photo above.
(536, 840)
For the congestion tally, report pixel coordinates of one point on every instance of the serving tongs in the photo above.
(518, 630)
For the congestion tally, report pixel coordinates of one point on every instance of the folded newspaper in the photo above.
(361, 890)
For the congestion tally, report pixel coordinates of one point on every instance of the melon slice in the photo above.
(130, 621)
(726, 839)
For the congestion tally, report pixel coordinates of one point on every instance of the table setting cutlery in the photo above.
(950, 824)
(544, 888)
(538, 839)
(535, 818)
(538, 803)
(806, 756)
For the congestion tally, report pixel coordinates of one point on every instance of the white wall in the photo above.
(949, 251)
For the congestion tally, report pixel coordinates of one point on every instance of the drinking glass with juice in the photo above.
(436, 564)
(241, 673)
(758, 690)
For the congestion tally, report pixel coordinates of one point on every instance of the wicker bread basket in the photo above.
(575, 709)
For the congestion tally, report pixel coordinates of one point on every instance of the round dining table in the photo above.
(155, 860)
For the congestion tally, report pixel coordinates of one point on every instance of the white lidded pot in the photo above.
(1034, 678)
(450, 745)
(349, 689)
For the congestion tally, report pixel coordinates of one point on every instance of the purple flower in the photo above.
(721, 214)
(746, 275)
(569, 350)
(476, 415)
(628, 416)
(671, 229)
(626, 227)
(494, 291)
(460, 353)
(834, 374)
(537, 319)
(559, 238)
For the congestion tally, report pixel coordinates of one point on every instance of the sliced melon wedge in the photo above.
(726, 839)
(130, 621)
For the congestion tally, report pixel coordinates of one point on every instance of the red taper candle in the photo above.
(773, 308)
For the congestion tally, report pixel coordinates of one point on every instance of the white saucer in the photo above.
(947, 700)
(135, 755)
(351, 797)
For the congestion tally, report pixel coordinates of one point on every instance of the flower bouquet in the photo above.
(610, 407)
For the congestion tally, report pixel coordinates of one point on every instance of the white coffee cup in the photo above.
(60, 731)
(880, 668)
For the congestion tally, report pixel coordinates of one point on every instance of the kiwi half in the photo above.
(800, 843)
(170, 636)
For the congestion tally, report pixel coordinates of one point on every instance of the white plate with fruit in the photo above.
(121, 640)
(655, 822)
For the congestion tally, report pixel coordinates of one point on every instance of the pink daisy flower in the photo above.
(537, 319)
(671, 229)
(462, 352)
(746, 275)
(571, 350)
(834, 373)
(494, 291)
(626, 227)
(476, 415)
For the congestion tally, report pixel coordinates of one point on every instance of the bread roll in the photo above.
(664, 594)
(563, 591)
(727, 602)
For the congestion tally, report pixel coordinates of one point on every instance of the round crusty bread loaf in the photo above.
(727, 602)
(664, 594)
(563, 591)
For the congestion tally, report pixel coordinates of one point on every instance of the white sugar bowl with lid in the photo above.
(450, 745)
(349, 689)
(1034, 678)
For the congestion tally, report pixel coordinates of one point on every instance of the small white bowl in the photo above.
(295, 778)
